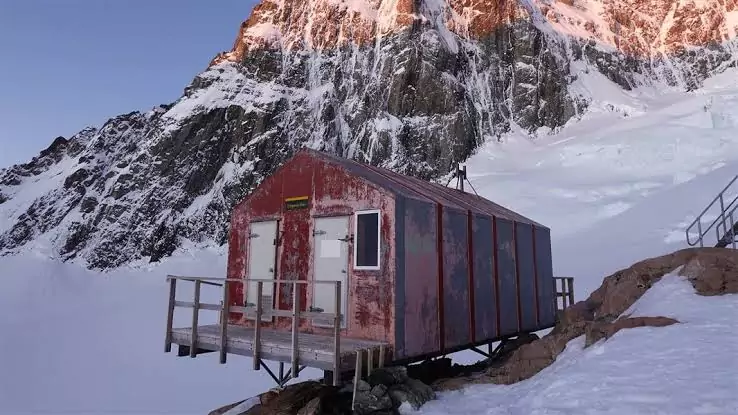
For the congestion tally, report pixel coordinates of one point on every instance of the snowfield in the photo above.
(615, 187)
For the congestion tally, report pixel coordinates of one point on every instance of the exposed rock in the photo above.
(376, 400)
(312, 408)
(412, 391)
(713, 271)
(388, 376)
(224, 409)
(599, 330)
(291, 399)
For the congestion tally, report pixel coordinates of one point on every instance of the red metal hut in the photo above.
(425, 269)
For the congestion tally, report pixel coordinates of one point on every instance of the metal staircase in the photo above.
(722, 215)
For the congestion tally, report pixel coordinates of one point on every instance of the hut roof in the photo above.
(415, 188)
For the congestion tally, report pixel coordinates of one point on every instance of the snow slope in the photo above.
(614, 189)
(686, 368)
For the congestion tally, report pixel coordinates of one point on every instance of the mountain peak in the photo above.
(324, 24)
(633, 27)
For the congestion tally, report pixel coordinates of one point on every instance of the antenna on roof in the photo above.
(460, 176)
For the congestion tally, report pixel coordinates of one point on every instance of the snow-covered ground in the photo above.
(614, 189)
(686, 368)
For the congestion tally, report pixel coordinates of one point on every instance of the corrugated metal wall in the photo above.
(506, 276)
(544, 268)
(417, 307)
(489, 276)
(526, 263)
(456, 304)
(485, 292)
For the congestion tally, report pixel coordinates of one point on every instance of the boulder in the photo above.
(375, 400)
(413, 391)
(713, 271)
(388, 376)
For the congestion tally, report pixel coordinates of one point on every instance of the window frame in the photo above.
(356, 240)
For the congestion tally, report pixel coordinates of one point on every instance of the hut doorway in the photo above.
(261, 264)
(330, 263)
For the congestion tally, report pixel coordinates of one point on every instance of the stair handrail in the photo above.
(730, 226)
(698, 222)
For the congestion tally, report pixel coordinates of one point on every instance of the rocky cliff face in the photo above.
(412, 86)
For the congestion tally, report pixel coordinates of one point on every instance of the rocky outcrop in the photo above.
(712, 271)
(385, 390)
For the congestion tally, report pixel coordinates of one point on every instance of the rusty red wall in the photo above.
(453, 274)
(332, 191)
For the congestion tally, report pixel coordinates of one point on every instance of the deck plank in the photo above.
(315, 350)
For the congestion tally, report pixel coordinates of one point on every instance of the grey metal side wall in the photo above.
(507, 278)
(544, 265)
(456, 307)
(417, 329)
(526, 276)
(485, 301)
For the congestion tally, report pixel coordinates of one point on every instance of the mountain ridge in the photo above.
(416, 100)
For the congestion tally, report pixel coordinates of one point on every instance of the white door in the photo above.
(330, 263)
(262, 250)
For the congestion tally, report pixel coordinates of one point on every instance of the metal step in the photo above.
(724, 208)
(730, 238)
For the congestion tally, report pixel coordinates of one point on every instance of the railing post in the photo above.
(257, 327)
(337, 337)
(732, 231)
(357, 377)
(571, 290)
(295, 326)
(195, 315)
(224, 314)
(722, 214)
(380, 363)
(699, 230)
(170, 314)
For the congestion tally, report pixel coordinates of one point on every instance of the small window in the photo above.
(366, 246)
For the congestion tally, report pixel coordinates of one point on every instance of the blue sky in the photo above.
(67, 64)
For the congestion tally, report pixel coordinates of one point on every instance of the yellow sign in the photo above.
(299, 202)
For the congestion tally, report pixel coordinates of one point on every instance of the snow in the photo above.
(686, 368)
(614, 188)
(78, 342)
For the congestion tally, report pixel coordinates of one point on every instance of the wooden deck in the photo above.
(314, 350)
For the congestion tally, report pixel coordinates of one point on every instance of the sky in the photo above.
(67, 64)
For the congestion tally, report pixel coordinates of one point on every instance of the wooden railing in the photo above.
(225, 309)
(564, 290)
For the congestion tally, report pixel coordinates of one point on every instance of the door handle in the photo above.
(316, 309)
